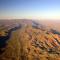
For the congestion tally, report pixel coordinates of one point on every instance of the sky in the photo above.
(30, 9)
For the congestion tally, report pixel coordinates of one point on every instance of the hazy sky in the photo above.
(39, 9)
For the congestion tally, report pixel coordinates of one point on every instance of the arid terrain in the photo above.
(24, 39)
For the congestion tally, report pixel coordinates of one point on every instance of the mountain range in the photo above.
(24, 39)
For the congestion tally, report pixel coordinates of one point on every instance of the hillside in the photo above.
(29, 40)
